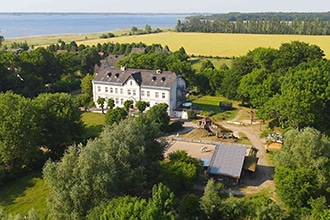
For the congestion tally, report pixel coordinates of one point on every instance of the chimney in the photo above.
(122, 68)
(159, 71)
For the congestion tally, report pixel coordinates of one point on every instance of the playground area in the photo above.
(196, 150)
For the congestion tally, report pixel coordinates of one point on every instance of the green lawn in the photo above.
(217, 62)
(211, 103)
(94, 123)
(25, 193)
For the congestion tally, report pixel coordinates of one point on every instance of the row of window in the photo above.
(130, 92)
(117, 100)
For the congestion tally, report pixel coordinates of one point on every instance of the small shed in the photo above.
(227, 163)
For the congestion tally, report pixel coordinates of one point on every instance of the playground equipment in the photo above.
(218, 130)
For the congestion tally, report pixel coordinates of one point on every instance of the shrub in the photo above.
(191, 114)
(175, 126)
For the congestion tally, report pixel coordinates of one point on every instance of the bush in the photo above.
(191, 114)
(206, 113)
(175, 126)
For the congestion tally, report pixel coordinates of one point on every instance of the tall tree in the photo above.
(1, 40)
(116, 163)
(115, 116)
(302, 167)
(128, 104)
(181, 171)
(19, 133)
(60, 120)
(158, 113)
(86, 84)
(141, 105)
(83, 178)
(111, 103)
(101, 101)
(210, 201)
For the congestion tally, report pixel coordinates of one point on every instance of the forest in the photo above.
(122, 173)
(258, 23)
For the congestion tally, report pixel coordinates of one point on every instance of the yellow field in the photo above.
(206, 44)
(222, 45)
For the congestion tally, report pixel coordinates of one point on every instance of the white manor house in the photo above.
(152, 86)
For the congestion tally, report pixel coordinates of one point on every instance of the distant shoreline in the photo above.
(16, 25)
(94, 13)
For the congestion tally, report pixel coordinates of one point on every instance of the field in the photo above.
(214, 44)
(206, 44)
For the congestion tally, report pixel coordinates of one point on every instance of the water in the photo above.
(17, 25)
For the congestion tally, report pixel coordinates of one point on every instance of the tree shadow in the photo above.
(17, 187)
(92, 132)
(261, 175)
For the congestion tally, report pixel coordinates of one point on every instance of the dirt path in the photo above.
(263, 177)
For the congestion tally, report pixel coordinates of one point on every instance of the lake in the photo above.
(18, 25)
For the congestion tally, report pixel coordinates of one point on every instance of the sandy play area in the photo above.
(193, 149)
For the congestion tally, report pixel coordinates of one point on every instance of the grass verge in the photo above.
(25, 193)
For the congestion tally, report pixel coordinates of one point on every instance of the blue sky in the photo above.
(189, 6)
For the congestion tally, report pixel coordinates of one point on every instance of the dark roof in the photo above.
(227, 160)
(144, 78)
(109, 62)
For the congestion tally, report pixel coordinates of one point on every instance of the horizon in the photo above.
(170, 6)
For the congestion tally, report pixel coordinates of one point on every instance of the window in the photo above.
(128, 92)
(117, 100)
(156, 95)
(121, 101)
(134, 92)
(121, 91)
(99, 88)
(116, 90)
(148, 93)
(131, 82)
(106, 89)
(111, 90)
(142, 93)
(163, 95)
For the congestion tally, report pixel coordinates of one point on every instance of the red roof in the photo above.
(207, 119)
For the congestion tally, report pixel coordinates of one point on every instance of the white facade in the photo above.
(153, 87)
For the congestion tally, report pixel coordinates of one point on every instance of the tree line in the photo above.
(255, 25)
(284, 16)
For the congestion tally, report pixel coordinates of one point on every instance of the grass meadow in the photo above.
(94, 123)
(25, 193)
